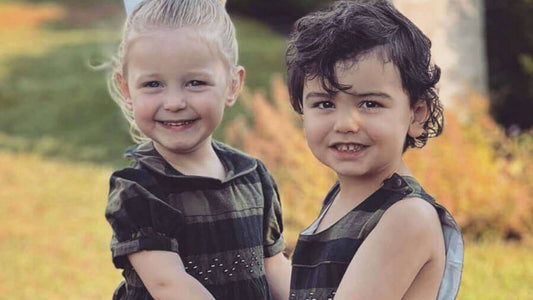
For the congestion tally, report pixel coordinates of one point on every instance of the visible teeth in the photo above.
(348, 147)
(181, 123)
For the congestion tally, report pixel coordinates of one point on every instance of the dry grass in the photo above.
(54, 238)
(53, 235)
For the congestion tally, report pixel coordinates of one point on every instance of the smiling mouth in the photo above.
(177, 123)
(348, 147)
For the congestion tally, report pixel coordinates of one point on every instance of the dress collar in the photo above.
(235, 162)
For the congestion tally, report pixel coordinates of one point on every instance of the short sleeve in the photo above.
(139, 216)
(273, 242)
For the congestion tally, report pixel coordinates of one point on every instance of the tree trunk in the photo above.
(456, 29)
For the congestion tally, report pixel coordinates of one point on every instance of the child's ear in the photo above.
(123, 84)
(235, 86)
(419, 116)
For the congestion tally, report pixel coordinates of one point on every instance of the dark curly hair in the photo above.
(350, 29)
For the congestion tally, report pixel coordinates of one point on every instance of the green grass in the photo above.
(496, 270)
(53, 104)
(58, 106)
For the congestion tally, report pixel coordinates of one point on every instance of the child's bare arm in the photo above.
(163, 274)
(278, 273)
(386, 264)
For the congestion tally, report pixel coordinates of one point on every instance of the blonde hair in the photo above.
(210, 16)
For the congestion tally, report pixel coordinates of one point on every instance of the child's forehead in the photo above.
(188, 32)
(173, 42)
(373, 64)
(196, 37)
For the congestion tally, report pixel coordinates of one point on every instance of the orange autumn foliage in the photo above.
(468, 168)
(472, 168)
(24, 15)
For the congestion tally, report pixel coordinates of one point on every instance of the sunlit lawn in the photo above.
(60, 135)
(54, 238)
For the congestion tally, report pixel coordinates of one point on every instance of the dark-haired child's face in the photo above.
(360, 132)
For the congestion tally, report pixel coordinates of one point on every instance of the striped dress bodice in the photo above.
(321, 259)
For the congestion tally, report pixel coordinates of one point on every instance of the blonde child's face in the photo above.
(361, 132)
(177, 88)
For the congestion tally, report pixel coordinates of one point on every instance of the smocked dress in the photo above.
(221, 229)
(321, 259)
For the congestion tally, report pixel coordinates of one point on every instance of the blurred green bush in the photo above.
(55, 105)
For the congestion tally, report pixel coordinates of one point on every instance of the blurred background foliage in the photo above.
(509, 46)
(61, 136)
(279, 14)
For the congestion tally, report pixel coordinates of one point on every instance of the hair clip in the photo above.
(130, 5)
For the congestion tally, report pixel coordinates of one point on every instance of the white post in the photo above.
(456, 29)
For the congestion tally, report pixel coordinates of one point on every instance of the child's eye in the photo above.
(324, 104)
(195, 83)
(370, 104)
(152, 84)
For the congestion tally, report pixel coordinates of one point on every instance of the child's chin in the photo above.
(179, 147)
(353, 174)
(350, 171)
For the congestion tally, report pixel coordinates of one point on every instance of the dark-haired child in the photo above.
(361, 75)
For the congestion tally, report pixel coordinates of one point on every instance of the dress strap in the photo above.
(400, 188)
(369, 225)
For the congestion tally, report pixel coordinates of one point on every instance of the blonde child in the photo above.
(192, 218)
(361, 75)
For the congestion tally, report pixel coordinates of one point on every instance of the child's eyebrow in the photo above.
(356, 94)
(317, 94)
(372, 94)
(142, 77)
(148, 75)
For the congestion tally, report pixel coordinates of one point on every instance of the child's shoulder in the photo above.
(412, 222)
(132, 180)
(139, 155)
(416, 209)
(236, 154)
(243, 162)
(413, 210)
(226, 149)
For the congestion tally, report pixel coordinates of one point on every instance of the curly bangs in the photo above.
(347, 31)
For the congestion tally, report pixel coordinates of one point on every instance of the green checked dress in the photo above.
(221, 229)
(321, 259)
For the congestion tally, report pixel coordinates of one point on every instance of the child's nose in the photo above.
(347, 121)
(175, 101)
